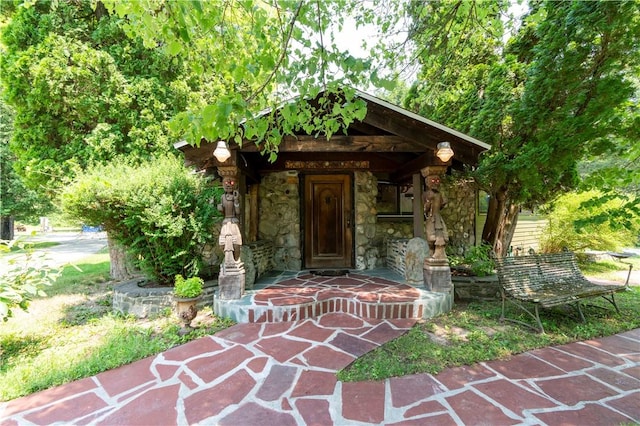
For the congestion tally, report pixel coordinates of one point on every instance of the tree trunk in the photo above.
(122, 267)
(6, 228)
(502, 218)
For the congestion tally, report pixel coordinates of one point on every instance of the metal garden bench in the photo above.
(547, 280)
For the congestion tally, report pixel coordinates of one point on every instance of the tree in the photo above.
(604, 234)
(83, 92)
(545, 100)
(261, 54)
(17, 202)
(86, 94)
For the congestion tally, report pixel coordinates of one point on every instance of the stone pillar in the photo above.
(231, 281)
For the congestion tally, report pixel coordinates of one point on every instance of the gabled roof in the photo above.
(392, 140)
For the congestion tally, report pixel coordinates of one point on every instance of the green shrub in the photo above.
(477, 260)
(160, 211)
(570, 225)
(191, 287)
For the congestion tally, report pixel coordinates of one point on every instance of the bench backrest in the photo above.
(528, 274)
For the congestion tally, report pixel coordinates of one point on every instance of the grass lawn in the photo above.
(72, 333)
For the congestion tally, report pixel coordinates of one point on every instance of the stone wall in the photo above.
(371, 233)
(368, 249)
(262, 252)
(459, 213)
(258, 259)
(129, 298)
(279, 213)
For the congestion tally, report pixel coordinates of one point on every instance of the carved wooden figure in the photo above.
(230, 236)
(436, 230)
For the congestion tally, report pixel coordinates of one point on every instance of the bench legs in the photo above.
(612, 300)
(535, 315)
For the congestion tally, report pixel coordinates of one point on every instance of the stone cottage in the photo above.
(350, 202)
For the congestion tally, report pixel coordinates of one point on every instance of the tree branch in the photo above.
(283, 55)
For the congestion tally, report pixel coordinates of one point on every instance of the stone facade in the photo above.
(368, 250)
(279, 218)
(372, 234)
(459, 214)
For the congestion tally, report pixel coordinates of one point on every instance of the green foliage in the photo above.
(16, 200)
(187, 288)
(477, 259)
(571, 225)
(562, 88)
(84, 93)
(160, 211)
(257, 56)
(24, 278)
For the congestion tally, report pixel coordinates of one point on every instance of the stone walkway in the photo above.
(284, 374)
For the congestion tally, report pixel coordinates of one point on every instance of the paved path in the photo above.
(72, 247)
(284, 374)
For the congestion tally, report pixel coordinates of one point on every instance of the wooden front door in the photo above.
(328, 241)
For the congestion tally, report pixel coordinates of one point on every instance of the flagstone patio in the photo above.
(292, 296)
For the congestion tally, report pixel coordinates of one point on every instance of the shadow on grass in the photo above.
(14, 348)
(86, 311)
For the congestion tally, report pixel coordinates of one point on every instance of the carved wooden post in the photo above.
(437, 273)
(231, 281)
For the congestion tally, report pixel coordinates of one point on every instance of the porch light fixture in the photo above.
(444, 152)
(221, 152)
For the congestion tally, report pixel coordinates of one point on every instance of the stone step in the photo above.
(309, 296)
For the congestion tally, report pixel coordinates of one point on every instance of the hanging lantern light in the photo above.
(221, 152)
(444, 152)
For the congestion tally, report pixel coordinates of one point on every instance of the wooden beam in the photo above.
(414, 166)
(253, 212)
(376, 162)
(196, 155)
(423, 135)
(341, 143)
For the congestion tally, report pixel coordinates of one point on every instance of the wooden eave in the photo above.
(390, 141)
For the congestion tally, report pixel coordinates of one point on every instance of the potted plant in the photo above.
(186, 293)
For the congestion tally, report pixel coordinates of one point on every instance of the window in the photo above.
(394, 199)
